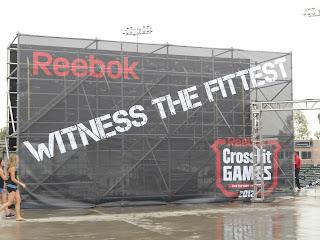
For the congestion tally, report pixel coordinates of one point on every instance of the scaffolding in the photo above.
(257, 109)
(166, 160)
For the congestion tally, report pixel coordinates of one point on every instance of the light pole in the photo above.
(136, 32)
(311, 12)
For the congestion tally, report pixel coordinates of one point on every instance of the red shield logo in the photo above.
(219, 163)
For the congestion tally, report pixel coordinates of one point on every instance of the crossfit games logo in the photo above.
(234, 166)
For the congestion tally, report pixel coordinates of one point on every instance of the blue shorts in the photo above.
(1, 190)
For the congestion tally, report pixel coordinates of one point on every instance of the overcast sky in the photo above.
(271, 25)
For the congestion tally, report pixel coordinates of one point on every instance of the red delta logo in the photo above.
(234, 165)
(80, 67)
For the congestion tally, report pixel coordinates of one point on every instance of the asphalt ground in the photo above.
(284, 218)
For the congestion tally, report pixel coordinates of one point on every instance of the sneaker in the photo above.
(10, 215)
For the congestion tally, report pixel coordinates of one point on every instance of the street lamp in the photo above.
(136, 32)
(311, 12)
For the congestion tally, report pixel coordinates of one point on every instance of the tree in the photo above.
(300, 125)
(2, 133)
(317, 133)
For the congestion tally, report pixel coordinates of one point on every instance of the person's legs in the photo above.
(4, 200)
(11, 197)
(17, 207)
(297, 170)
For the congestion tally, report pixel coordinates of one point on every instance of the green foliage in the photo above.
(2, 133)
(301, 131)
(317, 133)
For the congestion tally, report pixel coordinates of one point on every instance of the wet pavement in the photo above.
(285, 218)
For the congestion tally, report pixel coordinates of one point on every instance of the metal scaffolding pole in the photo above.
(257, 149)
(12, 70)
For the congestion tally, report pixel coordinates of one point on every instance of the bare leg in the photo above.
(11, 197)
(4, 200)
(17, 207)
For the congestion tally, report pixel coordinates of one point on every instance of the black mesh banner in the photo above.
(104, 123)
